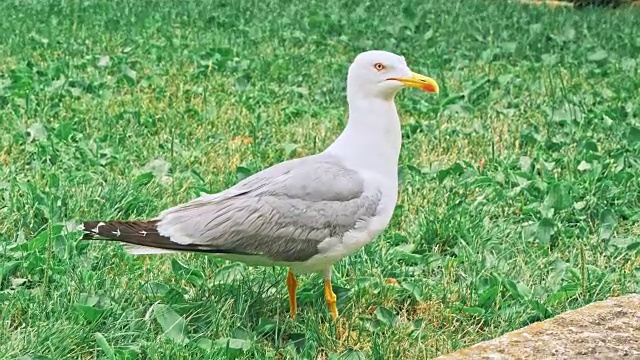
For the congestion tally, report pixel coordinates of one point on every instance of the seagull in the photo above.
(305, 213)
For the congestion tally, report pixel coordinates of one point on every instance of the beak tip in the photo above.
(432, 88)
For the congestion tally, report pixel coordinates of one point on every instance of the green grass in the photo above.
(520, 192)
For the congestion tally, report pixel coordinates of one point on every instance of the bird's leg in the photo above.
(292, 285)
(329, 296)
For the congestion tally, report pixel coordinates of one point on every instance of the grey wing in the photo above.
(282, 213)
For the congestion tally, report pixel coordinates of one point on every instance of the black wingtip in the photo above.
(142, 233)
(91, 229)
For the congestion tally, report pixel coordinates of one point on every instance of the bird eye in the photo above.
(379, 66)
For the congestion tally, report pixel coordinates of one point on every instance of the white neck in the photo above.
(372, 138)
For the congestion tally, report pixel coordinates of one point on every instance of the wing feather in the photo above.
(282, 213)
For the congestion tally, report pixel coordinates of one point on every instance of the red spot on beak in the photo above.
(429, 88)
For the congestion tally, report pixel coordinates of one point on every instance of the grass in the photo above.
(520, 192)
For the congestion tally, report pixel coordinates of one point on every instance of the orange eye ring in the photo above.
(379, 66)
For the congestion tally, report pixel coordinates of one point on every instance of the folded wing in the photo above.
(281, 213)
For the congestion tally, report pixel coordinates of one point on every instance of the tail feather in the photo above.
(145, 250)
(140, 237)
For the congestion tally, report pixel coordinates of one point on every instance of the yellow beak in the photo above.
(419, 81)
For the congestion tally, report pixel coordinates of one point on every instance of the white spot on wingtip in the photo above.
(144, 233)
(117, 232)
(97, 229)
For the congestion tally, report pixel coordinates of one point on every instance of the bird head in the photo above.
(382, 74)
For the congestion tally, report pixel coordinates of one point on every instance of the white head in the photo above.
(381, 74)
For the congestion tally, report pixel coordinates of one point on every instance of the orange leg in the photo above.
(292, 285)
(330, 297)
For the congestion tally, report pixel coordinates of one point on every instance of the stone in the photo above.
(608, 329)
